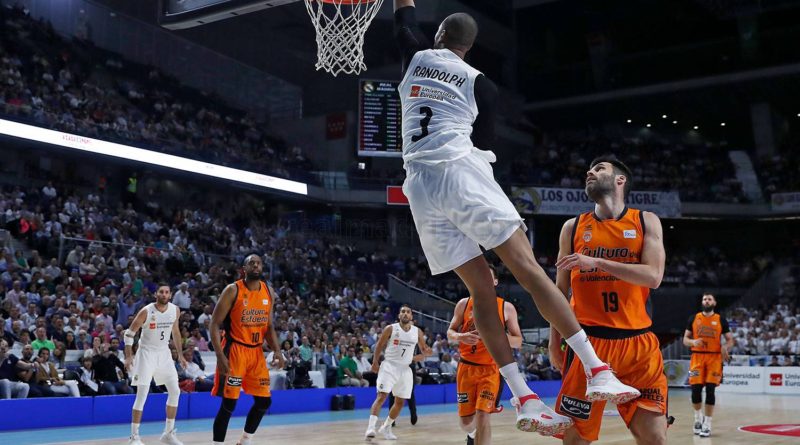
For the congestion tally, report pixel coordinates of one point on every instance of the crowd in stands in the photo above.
(771, 332)
(780, 173)
(699, 172)
(59, 84)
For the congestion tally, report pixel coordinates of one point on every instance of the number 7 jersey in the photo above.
(599, 298)
(400, 350)
(438, 105)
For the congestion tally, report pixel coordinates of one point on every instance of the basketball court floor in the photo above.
(438, 424)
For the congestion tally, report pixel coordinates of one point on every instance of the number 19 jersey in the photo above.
(438, 102)
(599, 298)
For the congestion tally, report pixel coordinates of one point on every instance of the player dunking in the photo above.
(478, 379)
(611, 258)
(703, 334)
(448, 110)
(158, 322)
(244, 312)
(397, 343)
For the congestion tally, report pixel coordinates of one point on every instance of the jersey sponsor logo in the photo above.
(265, 301)
(714, 323)
(587, 236)
(255, 317)
(694, 373)
(462, 397)
(653, 394)
(244, 302)
(396, 342)
(431, 93)
(233, 381)
(577, 408)
(263, 382)
(437, 74)
(776, 380)
(629, 234)
(486, 394)
(152, 325)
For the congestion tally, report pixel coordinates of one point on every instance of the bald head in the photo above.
(457, 31)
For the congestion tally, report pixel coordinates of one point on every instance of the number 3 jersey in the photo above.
(400, 350)
(438, 101)
(599, 298)
(250, 315)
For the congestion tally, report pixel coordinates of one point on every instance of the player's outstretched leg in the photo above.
(517, 255)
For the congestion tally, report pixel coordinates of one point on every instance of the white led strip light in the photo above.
(82, 143)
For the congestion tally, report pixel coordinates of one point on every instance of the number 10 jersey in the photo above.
(438, 102)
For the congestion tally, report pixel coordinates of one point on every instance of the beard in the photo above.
(709, 307)
(252, 276)
(599, 188)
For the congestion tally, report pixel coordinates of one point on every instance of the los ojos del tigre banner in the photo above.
(565, 201)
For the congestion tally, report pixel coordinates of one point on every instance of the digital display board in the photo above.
(379, 119)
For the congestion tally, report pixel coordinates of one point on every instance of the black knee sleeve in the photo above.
(710, 398)
(260, 407)
(697, 393)
(223, 417)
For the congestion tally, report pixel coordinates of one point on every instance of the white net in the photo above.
(341, 25)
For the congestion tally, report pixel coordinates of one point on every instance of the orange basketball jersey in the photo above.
(599, 298)
(249, 317)
(709, 329)
(478, 353)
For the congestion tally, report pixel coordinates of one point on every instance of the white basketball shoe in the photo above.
(135, 440)
(534, 416)
(602, 384)
(386, 430)
(170, 437)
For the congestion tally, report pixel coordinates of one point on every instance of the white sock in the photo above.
(246, 435)
(584, 350)
(707, 421)
(135, 429)
(373, 420)
(698, 415)
(472, 434)
(170, 425)
(516, 383)
(219, 443)
(388, 422)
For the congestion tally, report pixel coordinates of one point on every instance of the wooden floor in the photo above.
(733, 411)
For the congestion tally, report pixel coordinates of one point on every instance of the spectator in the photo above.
(47, 375)
(331, 366)
(194, 374)
(42, 341)
(10, 366)
(182, 298)
(87, 384)
(774, 361)
(109, 369)
(348, 371)
(448, 365)
(29, 375)
(365, 368)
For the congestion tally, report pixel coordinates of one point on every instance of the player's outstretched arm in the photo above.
(130, 334)
(403, 3)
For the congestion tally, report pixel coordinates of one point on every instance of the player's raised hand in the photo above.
(576, 261)
(469, 338)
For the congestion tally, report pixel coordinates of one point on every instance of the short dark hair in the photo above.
(460, 30)
(163, 284)
(406, 305)
(41, 351)
(619, 169)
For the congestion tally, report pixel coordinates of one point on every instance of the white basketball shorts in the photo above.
(397, 379)
(457, 206)
(149, 365)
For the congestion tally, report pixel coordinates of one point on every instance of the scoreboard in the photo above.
(379, 114)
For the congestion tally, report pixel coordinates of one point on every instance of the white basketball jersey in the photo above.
(438, 99)
(157, 327)
(400, 350)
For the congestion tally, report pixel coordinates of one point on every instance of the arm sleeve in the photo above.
(483, 132)
(725, 327)
(408, 34)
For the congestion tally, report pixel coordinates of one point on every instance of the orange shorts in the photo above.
(247, 369)
(477, 388)
(705, 368)
(637, 361)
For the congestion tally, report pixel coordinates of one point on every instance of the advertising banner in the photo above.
(568, 201)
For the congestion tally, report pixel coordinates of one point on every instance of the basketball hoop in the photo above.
(340, 27)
